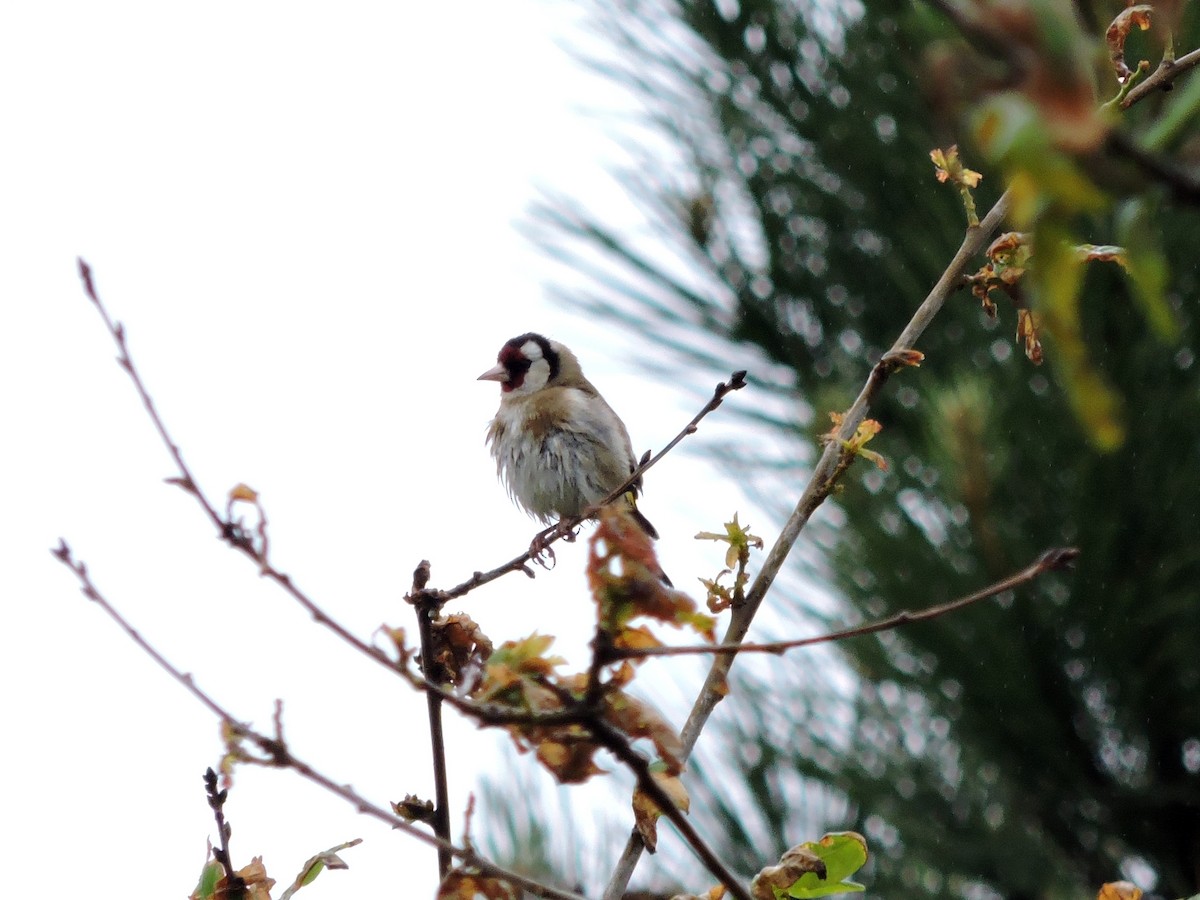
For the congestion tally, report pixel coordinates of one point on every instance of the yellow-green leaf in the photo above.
(1057, 271)
(1147, 267)
(814, 869)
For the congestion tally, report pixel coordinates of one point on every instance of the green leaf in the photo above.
(327, 859)
(1147, 267)
(1057, 272)
(1040, 176)
(212, 873)
(843, 853)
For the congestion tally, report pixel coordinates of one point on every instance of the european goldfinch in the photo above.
(559, 447)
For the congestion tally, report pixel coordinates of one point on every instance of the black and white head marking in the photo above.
(530, 361)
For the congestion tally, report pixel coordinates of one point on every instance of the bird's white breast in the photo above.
(559, 451)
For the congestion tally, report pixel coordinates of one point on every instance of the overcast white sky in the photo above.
(304, 215)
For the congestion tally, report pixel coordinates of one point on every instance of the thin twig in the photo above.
(978, 32)
(737, 381)
(433, 674)
(235, 537)
(586, 712)
(1050, 560)
(216, 801)
(1184, 185)
(615, 742)
(277, 753)
(833, 462)
(1162, 78)
(230, 532)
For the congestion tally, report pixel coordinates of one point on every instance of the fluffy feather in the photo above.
(559, 447)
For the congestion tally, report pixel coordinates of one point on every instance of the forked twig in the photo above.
(229, 531)
(216, 801)
(1161, 78)
(276, 752)
(1049, 561)
(235, 537)
(736, 382)
(430, 671)
(833, 463)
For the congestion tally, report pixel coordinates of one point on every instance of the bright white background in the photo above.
(304, 215)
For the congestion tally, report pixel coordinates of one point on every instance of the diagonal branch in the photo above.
(1183, 184)
(1057, 558)
(432, 672)
(736, 382)
(833, 462)
(616, 744)
(1161, 78)
(277, 754)
(230, 532)
(216, 802)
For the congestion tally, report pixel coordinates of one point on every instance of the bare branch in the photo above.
(216, 801)
(230, 531)
(232, 534)
(1162, 78)
(425, 611)
(736, 382)
(278, 754)
(1057, 558)
(829, 468)
(976, 30)
(616, 744)
(833, 460)
(1182, 183)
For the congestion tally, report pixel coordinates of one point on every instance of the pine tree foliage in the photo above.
(1039, 745)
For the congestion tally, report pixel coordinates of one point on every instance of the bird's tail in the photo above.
(642, 521)
(646, 526)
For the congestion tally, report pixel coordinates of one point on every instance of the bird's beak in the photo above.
(495, 373)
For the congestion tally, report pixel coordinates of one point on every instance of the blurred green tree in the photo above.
(1035, 746)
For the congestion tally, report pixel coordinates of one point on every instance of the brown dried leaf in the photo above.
(625, 580)
(718, 597)
(794, 863)
(466, 885)
(1118, 31)
(460, 648)
(1119, 890)
(413, 809)
(638, 638)
(621, 675)
(258, 883)
(1027, 330)
(646, 811)
(638, 719)
(516, 669)
(1104, 253)
(243, 492)
(570, 763)
(1006, 244)
(1054, 54)
(645, 820)
(1068, 108)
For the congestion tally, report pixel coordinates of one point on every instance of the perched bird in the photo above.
(559, 447)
